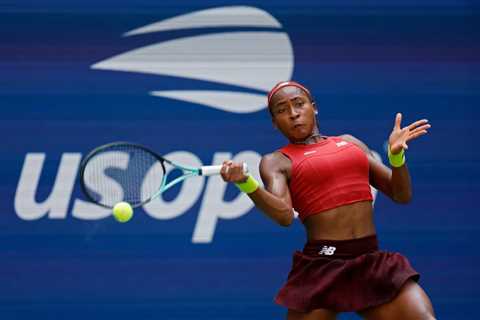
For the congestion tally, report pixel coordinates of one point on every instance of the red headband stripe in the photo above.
(284, 84)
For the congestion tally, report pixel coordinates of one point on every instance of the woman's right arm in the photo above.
(274, 199)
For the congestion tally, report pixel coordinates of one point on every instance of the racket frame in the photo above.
(188, 171)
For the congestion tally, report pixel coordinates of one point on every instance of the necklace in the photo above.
(309, 139)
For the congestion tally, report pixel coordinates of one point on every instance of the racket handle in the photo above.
(214, 170)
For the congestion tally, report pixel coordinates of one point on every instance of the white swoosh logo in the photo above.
(253, 60)
(235, 16)
(232, 101)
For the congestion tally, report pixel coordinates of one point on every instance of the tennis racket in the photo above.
(123, 171)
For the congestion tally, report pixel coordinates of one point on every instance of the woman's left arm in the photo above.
(395, 181)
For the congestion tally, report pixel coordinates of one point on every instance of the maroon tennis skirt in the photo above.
(344, 275)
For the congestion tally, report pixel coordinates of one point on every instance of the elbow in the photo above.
(287, 219)
(285, 223)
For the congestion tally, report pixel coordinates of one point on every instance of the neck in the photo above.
(314, 137)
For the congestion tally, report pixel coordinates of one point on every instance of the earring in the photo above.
(316, 112)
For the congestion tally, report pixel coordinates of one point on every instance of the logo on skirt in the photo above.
(327, 251)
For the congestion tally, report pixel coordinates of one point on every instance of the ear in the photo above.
(314, 107)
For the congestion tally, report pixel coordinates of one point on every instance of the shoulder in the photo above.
(274, 159)
(357, 142)
(275, 162)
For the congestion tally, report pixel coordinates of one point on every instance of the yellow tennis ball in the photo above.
(122, 212)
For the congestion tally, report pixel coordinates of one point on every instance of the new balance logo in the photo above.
(309, 152)
(327, 251)
(341, 143)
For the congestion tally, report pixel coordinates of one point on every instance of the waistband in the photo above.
(350, 248)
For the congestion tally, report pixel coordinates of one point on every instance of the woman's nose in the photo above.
(294, 112)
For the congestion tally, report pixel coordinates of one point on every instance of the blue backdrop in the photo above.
(191, 84)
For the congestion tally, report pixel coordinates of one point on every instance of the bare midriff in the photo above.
(350, 221)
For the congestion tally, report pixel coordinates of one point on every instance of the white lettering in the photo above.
(88, 211)
(213, 207)
(56, 204)
(189, 193)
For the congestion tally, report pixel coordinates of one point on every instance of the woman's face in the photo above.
(293, 113)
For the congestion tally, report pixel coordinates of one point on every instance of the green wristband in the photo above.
(249, 186)
(396, 160)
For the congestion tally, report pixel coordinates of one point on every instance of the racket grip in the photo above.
(214, 170)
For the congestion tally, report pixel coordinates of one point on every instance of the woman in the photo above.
(327, 181)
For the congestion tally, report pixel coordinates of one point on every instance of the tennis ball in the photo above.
(122, 212)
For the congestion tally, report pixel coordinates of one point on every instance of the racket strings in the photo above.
(122, 173)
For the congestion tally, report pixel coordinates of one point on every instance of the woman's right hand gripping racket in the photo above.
(132, 173)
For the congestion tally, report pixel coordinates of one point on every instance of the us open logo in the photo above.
(250, 60)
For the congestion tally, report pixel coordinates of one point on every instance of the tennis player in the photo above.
(327, 181)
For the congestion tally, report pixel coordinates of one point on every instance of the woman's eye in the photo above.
(281, 110)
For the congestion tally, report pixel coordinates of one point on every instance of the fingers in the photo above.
(398, 121)
(232, 172)
(421, 128)
(418, 131)
(399, 137)
(225, 172)
(417, 134)
(416, 124)
(413, 133)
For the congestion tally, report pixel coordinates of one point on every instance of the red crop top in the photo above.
(327, 175)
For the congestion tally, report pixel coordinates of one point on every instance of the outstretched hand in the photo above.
(400, 136)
